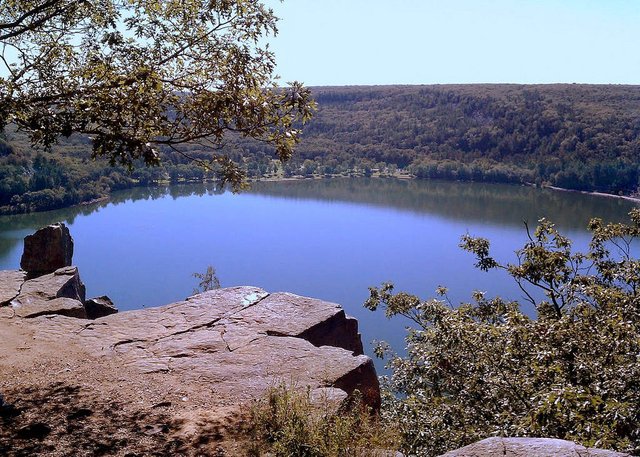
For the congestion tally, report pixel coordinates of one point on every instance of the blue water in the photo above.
(325, 239)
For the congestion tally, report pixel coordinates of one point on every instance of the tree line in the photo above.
(582, 137)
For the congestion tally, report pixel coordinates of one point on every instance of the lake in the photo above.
(329, 239)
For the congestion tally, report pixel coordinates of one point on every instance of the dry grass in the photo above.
(288, 422)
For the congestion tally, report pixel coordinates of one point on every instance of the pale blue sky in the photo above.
(347, 42)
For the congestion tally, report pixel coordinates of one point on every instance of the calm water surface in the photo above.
(329, 239)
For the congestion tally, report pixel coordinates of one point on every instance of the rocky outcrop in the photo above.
(529, 447)
(325, 325)
(241, 339)
(47, 250)
(186, 372)
(99, 307)
(61, 292)
(165, 377)
(62, 283)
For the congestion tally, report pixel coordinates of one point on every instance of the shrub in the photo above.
(288, 423)
(486, 368)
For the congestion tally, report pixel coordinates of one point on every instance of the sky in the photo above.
(375, 42)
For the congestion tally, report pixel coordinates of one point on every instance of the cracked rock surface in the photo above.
(10, 284)
(241, 339)
(188, 370)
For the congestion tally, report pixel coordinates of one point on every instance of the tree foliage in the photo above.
(139, 75)
(486, 368)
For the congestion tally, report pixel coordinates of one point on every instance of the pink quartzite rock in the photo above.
(529, 447)
(64, 282)
(47, 250)
(320, 323)
(60, 292)
(240, 340)
(10, 283)
(30, 306)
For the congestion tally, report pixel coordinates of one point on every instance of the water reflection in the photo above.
(15, 227)
(498, 204)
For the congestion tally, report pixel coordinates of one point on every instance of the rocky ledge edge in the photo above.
(241, 339)
(78, 374)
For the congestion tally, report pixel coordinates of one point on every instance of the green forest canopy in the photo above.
(583, 137)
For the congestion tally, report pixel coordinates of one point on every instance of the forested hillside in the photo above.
(34, 180)
(583, 137)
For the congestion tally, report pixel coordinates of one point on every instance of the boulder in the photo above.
(62, 283)
(30, 306)
(60, 292)
(191, 369)
(10, 283)
(47, 250)
(99, 307)
(529, 447)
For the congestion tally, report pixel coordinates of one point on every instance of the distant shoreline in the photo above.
(399, 176)
(409, 177)
(598, 194)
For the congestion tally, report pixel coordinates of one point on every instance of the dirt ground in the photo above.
(60, 401)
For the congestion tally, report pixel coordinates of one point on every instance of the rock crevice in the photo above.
(10, 286)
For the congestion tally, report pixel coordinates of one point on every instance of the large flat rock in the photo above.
(191, 368)
(242, 340)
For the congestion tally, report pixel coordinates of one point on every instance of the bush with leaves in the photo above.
(486, 368)
(134, 77)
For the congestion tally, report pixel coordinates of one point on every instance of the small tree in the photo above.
(486, 368)
(137, 75)
(208, 280)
